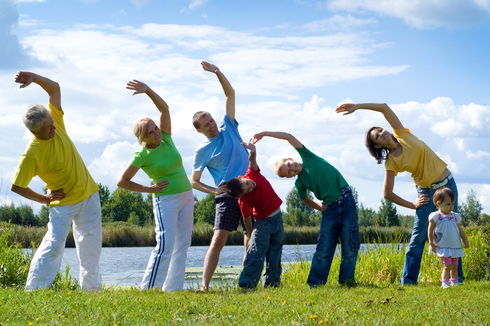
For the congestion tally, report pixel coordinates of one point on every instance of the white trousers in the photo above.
(174, 218)
(87, 231)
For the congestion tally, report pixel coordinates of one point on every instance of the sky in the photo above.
(291, 63)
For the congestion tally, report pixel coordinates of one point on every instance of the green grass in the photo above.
(376, 299)
(329, 305)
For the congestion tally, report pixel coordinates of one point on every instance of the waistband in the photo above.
(346, 192)
(441, 183)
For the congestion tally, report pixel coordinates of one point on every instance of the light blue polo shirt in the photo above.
(224, 155)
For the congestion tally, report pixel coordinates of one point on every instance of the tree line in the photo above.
(124, 205)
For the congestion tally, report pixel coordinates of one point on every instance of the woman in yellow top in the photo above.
(402, 152)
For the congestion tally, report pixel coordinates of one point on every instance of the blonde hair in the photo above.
(277, 166)
(140, 129)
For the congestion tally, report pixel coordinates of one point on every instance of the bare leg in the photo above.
(446, 271)
(212, 257)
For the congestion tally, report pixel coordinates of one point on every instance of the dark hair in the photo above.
(234, 188)
(198, 115)
(379, 154)
(443, 193)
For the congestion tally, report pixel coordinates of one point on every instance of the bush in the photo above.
(15, 262)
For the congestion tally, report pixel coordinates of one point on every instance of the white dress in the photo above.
(446, 235)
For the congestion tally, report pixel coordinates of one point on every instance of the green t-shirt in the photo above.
(163, 163)
(319, 177)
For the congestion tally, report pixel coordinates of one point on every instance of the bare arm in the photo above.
(313, 204)
(279, 135)
(198, 185)
(388, 113)
(430, 234)
(229, 91)
(51, 87)
(463, 236)
(248, 225)
(28, 193)
(165, 123)
(252, 157)
(126, 183)
(388, 193)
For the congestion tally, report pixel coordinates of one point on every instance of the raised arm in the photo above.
(126, 183)
(51, 87)
(252, 156)
(279, 135)
(165, 123)
(229, 91)
(388, 193)
(388, 113)
(198, 185)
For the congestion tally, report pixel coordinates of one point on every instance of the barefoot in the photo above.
(202, 289)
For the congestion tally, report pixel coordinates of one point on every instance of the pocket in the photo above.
(355, 238)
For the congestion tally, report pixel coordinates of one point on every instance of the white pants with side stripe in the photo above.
(174, 218)
(87, 232)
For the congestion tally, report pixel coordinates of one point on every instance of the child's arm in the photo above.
(248, 225)
(463, 236)
(279, 135)
(433, 246)
(313, 204)
(252, 157)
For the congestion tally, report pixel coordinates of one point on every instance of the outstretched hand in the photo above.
(249, 145)
(137, 86)
(255, 138)
(24, 78)
(209, 67)
(346, 108)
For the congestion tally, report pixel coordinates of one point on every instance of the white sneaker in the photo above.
(455, 284)
(444, 285)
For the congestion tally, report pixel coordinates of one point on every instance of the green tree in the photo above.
(365, 216)
(43, 216)
(123, 202)
(297, 212)
(204, 210)
(26, 215)
(387, 214)
(471, 209)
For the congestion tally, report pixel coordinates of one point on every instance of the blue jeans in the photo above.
(339, 220)
(415, 249)
(266, 243)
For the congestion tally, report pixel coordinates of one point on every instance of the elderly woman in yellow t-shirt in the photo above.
(402, 152)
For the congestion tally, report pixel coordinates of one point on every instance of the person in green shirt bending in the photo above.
(173, 202)
(338, 207)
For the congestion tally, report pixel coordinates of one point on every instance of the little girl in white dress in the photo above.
(445, 234)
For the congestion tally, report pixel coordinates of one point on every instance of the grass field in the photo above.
(376, 299)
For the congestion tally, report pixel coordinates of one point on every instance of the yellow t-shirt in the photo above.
(417, 158)
(57, 162)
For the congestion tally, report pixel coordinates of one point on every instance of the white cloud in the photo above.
(337, 22)
(422, 14)
(197, 3)
(113, 161)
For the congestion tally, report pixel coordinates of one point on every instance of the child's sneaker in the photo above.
(455, 283)
(444, 285)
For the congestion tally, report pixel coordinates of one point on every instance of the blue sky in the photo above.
(290, 62)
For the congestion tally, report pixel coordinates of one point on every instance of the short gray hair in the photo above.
(35, 116)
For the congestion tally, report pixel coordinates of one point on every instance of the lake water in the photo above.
(126, 266)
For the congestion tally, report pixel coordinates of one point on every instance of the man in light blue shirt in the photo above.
(225, 158)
